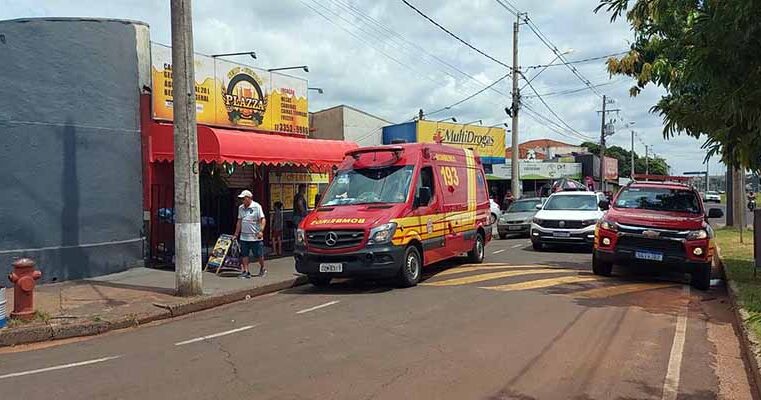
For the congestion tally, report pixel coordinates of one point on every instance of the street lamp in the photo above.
(304, 67)
(453, 119)
(569, 51)
(473, 122)
(318, 90)
(242, 53)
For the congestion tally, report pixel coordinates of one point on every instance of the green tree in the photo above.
(705, 54)
(658, 166)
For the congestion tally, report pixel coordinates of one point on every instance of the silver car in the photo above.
(517, 219)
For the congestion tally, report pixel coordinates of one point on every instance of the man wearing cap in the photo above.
(249, 230)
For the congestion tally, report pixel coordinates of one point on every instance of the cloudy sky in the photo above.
(384, 58)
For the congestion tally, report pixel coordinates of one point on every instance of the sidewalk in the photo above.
(133, 297)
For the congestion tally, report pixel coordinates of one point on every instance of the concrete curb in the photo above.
(749, 343)
(42, 333)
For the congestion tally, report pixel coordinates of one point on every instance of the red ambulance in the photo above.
(391, 210)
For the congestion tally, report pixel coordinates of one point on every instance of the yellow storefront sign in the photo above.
(234, 95)
(487, 142)
(299, 177)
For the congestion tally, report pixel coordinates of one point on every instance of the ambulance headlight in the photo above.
(382, 234)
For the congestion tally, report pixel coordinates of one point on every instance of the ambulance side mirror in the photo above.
(423, 196)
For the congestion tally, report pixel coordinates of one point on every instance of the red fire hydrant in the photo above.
(23, 277)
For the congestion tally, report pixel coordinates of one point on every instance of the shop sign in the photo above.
(299, 177)
(233, 95)
(610, 168)
(537, 171)
(487, 142)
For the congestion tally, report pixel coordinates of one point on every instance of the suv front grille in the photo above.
(672, 247)
(343, 238)
(552, 223)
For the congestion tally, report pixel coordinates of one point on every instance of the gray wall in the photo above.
(327, 124)
(70, 187)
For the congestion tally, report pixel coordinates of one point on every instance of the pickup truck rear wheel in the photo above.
(600, 267)
(409, 274)
(700, 278)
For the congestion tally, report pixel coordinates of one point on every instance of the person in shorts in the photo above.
(276, 229)
(250, 233)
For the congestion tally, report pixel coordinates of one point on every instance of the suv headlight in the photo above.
(300, 236)
(382, 234)
(608, 226)
(537, 221)
(588, 222)
(697, 235)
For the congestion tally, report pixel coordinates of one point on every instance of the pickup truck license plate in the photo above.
(648, 255)
(561, 234)
(331, 267)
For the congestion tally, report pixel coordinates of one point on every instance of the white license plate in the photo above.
(561, 234)
(514, 228)
(331, 267)
(648, 255)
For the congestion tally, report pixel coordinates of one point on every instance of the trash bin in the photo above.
(3, 311)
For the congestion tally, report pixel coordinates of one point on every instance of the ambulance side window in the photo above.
(426, 180)
(481, 193)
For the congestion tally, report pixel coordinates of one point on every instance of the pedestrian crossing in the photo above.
(555, 280)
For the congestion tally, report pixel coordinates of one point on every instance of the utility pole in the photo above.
(516, 154)
(647, 162)
(602, 144)
(632, 156)
(187, 225)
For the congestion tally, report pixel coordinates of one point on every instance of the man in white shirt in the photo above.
(250, 232)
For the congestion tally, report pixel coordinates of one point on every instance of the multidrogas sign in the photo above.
(464, 136)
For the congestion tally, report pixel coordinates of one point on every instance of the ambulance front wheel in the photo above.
(409, 275)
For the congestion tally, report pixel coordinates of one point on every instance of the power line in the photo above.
(571, 91)
(550, 124)
(553, 111)
(470, 96)
(577, 61)
(512, 9)
(456, 37)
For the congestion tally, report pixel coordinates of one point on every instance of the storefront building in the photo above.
(344, 122)
(534, 175)
(252, 134)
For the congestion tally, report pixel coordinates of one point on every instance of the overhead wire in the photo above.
(457, 103)
(581, 61)
(479, 51)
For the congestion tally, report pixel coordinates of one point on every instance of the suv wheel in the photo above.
(601, 268)
(409, 275)
(700, 278)
(476, 255)
(537, 245)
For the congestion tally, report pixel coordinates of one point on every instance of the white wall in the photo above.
(362, 128)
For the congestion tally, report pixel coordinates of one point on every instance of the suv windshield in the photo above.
(523, 206)
(571, 202)
(659, 199)
(363, 186)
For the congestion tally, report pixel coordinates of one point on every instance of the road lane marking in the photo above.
(518, 246)
(671, 384)
(57, 367)
(493, 275)
(542, 283)
(463, 269)
(215, 335)
(498, 251)
(610, 291)
(328, 304)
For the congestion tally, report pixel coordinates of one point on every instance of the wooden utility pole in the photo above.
(515, 175)
(187, 223)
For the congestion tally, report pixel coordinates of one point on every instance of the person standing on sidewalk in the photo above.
(250, 232)
(276, 229)
(300, 209)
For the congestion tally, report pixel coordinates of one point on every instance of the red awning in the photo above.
(235, 146)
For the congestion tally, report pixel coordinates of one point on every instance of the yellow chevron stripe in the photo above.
(611, 291)
(491, 276)
(542, 283)
(465, 269)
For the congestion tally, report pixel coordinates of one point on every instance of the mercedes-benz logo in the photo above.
(562, 224)
(331, 239)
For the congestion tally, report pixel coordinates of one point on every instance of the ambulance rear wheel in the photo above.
(409, 274)
(319, 280)
(476, 255)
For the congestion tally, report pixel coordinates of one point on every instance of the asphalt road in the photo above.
(524, 325)
(723, 220)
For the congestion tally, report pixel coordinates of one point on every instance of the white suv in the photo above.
(567, 218)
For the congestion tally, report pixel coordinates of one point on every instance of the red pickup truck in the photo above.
(657, 223)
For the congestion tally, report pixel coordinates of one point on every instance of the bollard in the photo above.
(23, 277)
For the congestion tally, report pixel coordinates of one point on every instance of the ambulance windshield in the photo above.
(372, 185)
